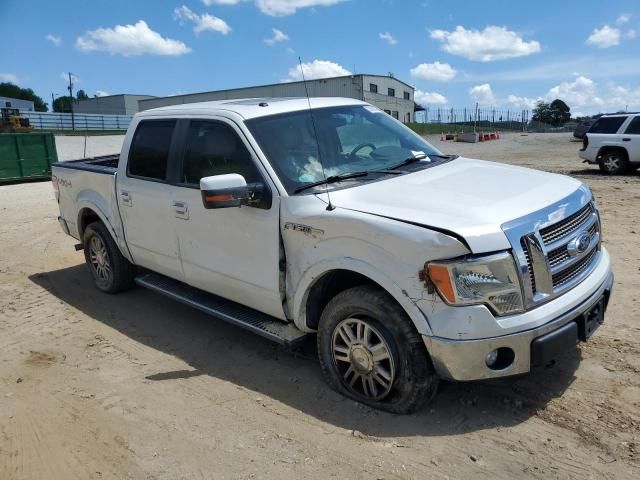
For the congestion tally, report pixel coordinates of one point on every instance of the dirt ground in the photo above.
(137, 386)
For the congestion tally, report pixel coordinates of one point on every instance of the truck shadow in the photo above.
(215, 348)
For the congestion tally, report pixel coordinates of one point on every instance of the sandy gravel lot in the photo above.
(137, 386)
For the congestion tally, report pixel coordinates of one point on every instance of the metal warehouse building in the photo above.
(386, 92)
(111, 104)
(22, 105)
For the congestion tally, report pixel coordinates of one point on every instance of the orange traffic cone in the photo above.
(481, 136)
(442, 136)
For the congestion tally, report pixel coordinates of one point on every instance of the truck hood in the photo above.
(470, 198)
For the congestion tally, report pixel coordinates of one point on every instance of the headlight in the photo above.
(491, 280)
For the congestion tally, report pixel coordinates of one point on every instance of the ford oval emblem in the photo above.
(579, 244)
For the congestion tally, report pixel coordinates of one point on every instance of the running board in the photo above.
(264, 325)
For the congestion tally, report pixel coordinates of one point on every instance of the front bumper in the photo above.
(464, 360)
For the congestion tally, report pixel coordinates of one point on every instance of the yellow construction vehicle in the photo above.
(11, 121)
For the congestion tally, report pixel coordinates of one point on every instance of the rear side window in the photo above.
(149, 153)
(634, 126)
(607, 125)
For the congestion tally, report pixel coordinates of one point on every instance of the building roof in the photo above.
(251, 107)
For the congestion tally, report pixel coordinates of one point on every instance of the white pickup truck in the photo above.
(291, 218)
(613, 142)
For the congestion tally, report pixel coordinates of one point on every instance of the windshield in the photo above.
(351, 139)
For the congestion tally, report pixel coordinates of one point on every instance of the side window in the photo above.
(407, 96)
(149, 152)
(214, 148)
(391, 92)
(373, 88)
(634, 126)
(607, 125)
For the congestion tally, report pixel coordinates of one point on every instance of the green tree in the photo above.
(556, 113)
(13, 91)
(62, 104)
(81, 95)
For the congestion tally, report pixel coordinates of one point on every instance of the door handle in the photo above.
(181, 210)
(126, 198)
(626, 139)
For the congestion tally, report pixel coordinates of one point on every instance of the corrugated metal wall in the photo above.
(83, 121)
(349, 87)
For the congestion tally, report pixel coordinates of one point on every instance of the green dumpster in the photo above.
(26, 155)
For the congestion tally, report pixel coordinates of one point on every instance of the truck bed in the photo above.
(107, 164)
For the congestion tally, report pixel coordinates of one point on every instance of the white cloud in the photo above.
(429, 98)
(278, 36)
(290, 51)
(579, 93)
(622, 19)
(130, 40)
(440, 72)
(8, 77)
(631, 34)
(316, 69)
(101, 93)
(387, 37)
(492, 43)
(53, 39)
(522, 102)
(483, 94)
(620, 97)
(605, 37)
(65, 76)
(280, 8)
(202, 22)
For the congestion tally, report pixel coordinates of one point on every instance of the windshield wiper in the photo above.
(406, 161)
(445, 157)
(344, 176)
(332, 179)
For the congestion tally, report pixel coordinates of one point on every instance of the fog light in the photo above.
(491, 358)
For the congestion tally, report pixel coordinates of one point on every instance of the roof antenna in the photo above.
(330, 207)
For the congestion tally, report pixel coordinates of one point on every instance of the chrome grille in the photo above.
(574, 270)
(531, 277)
(567, 226)
(548, 251)
(558, 256)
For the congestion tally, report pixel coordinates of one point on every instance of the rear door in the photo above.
(631, 140)
(144, 198)
(231, 252)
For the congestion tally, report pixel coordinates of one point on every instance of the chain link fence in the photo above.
(472, 119)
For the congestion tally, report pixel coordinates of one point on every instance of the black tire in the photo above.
(111, 272)
(413, 381)
(614, 162)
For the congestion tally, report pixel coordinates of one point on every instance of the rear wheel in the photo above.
(614, 163)
(370, 351)
(111, 272)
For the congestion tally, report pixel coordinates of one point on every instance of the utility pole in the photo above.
(73, 118)
(52, 101)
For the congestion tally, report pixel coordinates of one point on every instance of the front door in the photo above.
(231, 252)
(144, 199)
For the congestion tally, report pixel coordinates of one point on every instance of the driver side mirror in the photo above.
(231, 190)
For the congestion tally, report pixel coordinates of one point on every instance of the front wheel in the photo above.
(370, 351)
(111, 272)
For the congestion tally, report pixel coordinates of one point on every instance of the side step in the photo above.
(257, 322)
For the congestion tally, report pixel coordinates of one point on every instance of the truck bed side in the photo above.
(86, 191)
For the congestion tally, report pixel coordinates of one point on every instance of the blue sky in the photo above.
(501, 53)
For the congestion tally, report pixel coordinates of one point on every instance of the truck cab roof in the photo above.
(249, 108)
